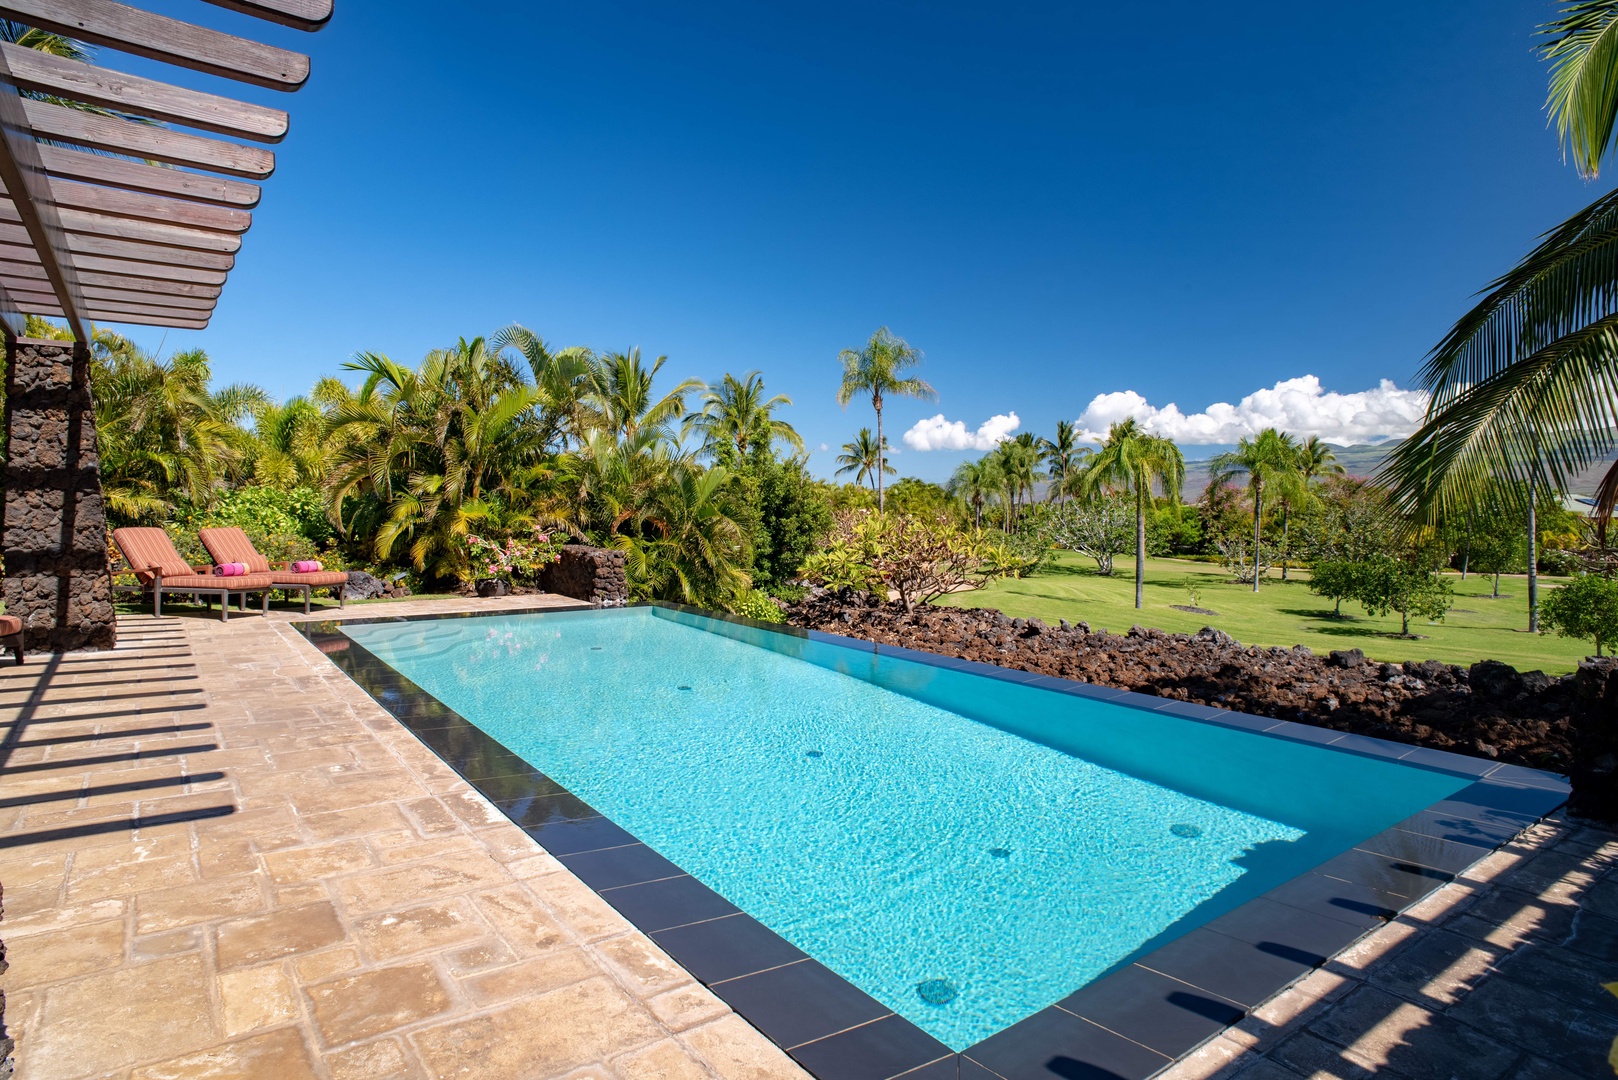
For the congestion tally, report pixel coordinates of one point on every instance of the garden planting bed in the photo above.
(1489, 710)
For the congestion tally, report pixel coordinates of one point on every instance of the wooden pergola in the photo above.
(130, 211)
(124, 218)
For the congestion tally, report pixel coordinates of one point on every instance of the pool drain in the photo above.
(813, 753)
(1187, 831)
(682, 686)
(595, 648)
(1000, 853)
(937, 991)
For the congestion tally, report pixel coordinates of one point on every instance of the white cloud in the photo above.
(936, 433)
(1299, 406)
(824, 446)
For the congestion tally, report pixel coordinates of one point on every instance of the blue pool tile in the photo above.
(879, 1050)
(1078, 689)
(1150, 1008)
(668, 902)
(1500, 797)
(1053, 1044)
(569, 836)
(726, 948)
(1191, 710)
(1286, 729)
(1237, 970)
(619, 866)
(1291, 933)
(1365, 744)
(801, 1002)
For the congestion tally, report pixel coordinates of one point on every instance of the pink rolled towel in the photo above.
(231, 569)
(305, 566)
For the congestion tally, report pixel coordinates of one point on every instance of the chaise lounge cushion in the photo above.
(10, 624)
(147, 549)
(232, 545)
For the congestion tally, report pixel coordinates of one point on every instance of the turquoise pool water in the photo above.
(900, 822)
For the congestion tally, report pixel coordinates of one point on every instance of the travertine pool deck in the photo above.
(222, 859)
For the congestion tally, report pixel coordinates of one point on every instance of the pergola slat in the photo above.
(170, 41)
(94, 294)
(143, 97)
(67, 164)
(299, 14)
(85, 223)
(22, 255)
(132, 204)
(137, 316)
(34, 272)
(156, 254)
(147, 141)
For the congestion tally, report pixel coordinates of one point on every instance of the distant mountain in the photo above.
(1362, 461)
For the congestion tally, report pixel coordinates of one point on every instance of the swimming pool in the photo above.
(966, 850)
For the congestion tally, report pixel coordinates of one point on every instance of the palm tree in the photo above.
(974, 482)
(293, 446)
(865, 459)
(876, 370)
(1523, 386)
(619, 390)
(1018, 465)
(1314, 459)
(1064, 455)
(736, 416)
(563, 376)
(1270, 459)
(1135, 461)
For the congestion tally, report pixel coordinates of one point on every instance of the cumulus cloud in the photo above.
(1299, 406)
(937, 433)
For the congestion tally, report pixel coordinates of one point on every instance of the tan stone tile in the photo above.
(290, 895)
(521, 920)
(358, 793)
(226, 857)
(130, 877)
(53, 917)
(284, 932)
(442, 849)
(645, 968)
(686, 1007)
(480, 957)
(666, 1060)
(359, 1006)
(383, 889)
(357, 821)
(275, 1055)
(326, 963)
(431, 926)
(290, 761)
(106, 1022)
(256, 998)
(508, 843)
(432, 817)
(473, 808)
(384, 1059)
(306, 863)
(166, 909)
(63, 954)
(578, 907)
(548, 972)
(170, 943)
(567, 1028)
(33, 899)
(736, 1051)
(540, 866)
(22, 870)
(148, 850)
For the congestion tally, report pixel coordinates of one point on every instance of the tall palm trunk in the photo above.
(1286, 538)
(881, 456)
(1258, 515)
(1140, 539)
(1533, 559)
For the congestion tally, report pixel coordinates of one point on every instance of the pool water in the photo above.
(964, 849)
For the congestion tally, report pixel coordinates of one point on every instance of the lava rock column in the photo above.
(53, 531)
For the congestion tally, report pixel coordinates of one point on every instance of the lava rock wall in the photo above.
(588, 573)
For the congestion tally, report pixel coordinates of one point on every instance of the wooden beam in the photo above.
(156, 254)
(86, 223)
(117, 313)
(25, 271)
(32, 70)
(299, 14)
(23, 254)
(67, 164)
(94, 294)
(147, 141)
(131, 204)
(169, 41)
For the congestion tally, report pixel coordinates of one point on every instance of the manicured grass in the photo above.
(1283, 613)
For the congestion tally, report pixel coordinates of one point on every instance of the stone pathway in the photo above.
(221, 858)
(1496, 976)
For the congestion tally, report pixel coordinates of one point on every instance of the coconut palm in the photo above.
(619, 390)
(865, 458)
(1018, 465)
(1135, 461)
(878, 370)
(1270, 462)
(564, 378)
(1525, 386)
(1316, 459)
(974, 482)
(1064, 455)
(736, 416)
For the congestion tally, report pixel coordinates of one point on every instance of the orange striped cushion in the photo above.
(150, 547)
(232, 545)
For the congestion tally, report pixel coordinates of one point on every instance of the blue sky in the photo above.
(1053, 201)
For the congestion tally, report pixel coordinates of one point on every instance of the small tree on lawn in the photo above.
(1586, 607)
(1336, 580)
(1101, 528)
(1389, 584)
(918, 558)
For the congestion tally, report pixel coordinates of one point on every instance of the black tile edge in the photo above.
(1487, 800)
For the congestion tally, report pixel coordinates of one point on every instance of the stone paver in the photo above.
(1497, 976)
(221, 858)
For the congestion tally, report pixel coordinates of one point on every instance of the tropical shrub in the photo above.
(919, 559)
(1586, 607)
(513, 557)
(754, 604)
(1406, 586)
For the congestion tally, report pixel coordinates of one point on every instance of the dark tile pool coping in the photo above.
(1127, 1025)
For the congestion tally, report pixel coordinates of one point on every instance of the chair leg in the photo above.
(266, 601)
(18, 652)
(306, 591)
(340, 599)
(224, 606)
(157, 603)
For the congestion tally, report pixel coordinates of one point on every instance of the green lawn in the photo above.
(1282, 613)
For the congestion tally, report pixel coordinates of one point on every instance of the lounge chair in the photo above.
(11, 635)
(160, 569)
(232, 545)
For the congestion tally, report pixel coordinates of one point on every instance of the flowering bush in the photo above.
(501, 560)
